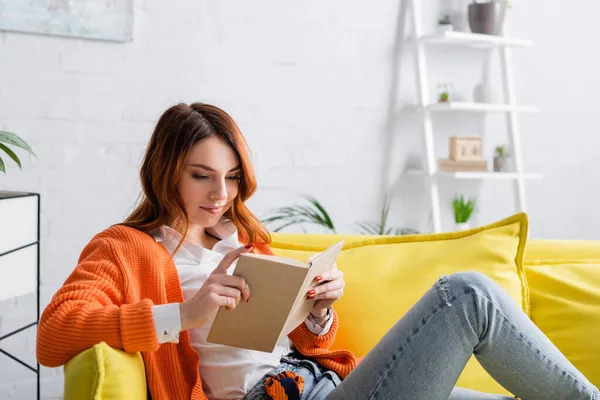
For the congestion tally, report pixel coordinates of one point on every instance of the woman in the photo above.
(154, 283)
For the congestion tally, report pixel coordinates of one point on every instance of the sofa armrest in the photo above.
(105, 373)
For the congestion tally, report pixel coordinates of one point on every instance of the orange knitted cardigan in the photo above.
(108, 297)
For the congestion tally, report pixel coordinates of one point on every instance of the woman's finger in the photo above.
(230, 257)
(336, 294)
(329, 276)
(224, 301)
(326, 287)
(235, 282)
(226, 291)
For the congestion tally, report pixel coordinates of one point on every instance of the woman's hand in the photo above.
(330, 289)
(219, 290)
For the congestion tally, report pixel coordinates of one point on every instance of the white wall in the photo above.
(310, 84)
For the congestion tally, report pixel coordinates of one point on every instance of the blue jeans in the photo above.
(422, 356)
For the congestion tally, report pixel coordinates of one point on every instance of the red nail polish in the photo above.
(249, 246)
(310, 297)
(318, 278)
(311, 292)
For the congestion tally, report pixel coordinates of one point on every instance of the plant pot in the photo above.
(462, 226)
(441, 28)
(500, 164)
(487, 18)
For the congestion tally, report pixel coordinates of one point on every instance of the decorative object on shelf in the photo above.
(501, 156)
(466, 148)
(488, 17)
(466, 154)
(444, 90)
(463, 211)
(90, 19)
(444, 97)
(6, 139)
(20, 263)
(484, 93)
(445, 25)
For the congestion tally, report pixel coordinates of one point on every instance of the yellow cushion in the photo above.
(105, 373)
(564, 277)
(386, 275)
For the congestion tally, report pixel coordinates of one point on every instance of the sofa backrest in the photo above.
(563, 277)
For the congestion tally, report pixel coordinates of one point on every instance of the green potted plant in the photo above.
(501, 155)
(444, 25)
(315, 214)
(444, 92)
(444, 97)
(312, 214)
(463, 211)
(11, 139)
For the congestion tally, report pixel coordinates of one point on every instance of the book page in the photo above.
(320, 263)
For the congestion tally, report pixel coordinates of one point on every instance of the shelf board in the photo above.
(474, 39)
(479, 107)
(478, 175)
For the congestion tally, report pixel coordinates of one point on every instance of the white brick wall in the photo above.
(309, 84)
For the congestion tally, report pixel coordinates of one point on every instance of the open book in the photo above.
(277, 303)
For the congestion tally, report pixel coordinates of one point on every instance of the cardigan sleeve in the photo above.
(318, 347)
(89, 308)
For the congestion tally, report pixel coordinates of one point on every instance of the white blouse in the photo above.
(227, 372)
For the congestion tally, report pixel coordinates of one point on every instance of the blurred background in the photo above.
(325, 93)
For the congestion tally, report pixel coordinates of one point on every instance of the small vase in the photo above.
(442, 28)
(487, 18)
(483, 93)
(461, 226)
(500, 164)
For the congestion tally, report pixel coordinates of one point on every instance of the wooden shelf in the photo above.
(474, 40)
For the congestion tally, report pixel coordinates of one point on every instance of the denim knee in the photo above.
(470, 281)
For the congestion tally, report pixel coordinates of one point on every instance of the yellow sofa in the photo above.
(556, 282)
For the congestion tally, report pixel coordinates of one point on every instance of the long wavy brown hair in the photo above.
(178, 129)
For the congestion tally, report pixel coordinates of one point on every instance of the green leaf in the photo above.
(298, 215)
(406, 231)
(11, 154)
(326, 216)
(462, 209)
(14, 140)
(310, 214)
(368, 228)
(2, 166)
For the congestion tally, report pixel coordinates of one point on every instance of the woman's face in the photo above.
(209, 182)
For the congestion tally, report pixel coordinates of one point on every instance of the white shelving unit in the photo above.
(426, 108)
(20, 259)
